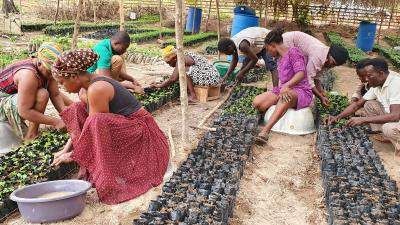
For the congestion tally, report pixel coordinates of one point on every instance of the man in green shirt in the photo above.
(111, 63)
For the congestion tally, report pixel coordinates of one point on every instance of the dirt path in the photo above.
(282, 184)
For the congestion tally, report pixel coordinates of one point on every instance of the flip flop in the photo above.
(262, 139)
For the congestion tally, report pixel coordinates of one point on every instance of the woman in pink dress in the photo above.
(294, 90)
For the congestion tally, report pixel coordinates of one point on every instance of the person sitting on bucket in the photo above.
(319, 58)
(116, 142)
(381, 102)
(249, 43)
(198, 70)
(294, 90)
(25, 89)
(111, 63)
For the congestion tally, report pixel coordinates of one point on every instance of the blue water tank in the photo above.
(193, 19)
(243, 9)
(366, 36)
(243, 21)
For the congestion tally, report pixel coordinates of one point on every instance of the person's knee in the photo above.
(388, 129)
(117, 59)
(42, 95)
(257, 102)
(370, 106)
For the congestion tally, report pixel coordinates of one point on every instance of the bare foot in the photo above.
(192, 100)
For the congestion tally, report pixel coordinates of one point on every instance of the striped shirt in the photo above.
(7, 84)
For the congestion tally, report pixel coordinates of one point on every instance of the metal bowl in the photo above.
(37, 209)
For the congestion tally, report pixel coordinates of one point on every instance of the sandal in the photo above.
(262, 139)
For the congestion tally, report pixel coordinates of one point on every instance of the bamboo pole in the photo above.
(182, 71)
(77, 25)
(57, 10)
(160, 10)
(121, 15)
(218, 25)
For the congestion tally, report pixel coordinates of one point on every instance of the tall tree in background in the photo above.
(77, 24)
(182, 71)
(121, 15)
(9, 7)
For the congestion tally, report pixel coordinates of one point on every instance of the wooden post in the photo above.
(208, 16)
(391, 15)
(266, 14)
(77, 24)
(218, 25)
(121, 15)
(194, 15)
(94, 11)
(160, 10)
(182, 71)
(57, 10)
(380, 25)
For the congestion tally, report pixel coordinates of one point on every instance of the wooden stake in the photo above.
(172, 144)
(160, 10)
(266, 14)
(57, 10)
(77, 24)
(208, 16)
(94, 11)
(219, 25)
(182, 70)
(121, 16)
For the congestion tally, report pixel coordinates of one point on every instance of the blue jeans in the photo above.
(270, 63)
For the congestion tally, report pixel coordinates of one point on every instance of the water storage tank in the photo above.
(243, 21)
(243, 9)
(193, 19)
(366, 36)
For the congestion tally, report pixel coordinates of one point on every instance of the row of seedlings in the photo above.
(355, 54)
(107, 33)
(190, 40)
(390, 53)
(393, 40)
(29, 164)
(203, 189)
(154, 99)
(357, 187)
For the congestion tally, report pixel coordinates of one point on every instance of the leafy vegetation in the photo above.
(393, 40)
(65, 29)
(64, 42)
(189, 40)
(389, 53)
(151, 35)
(211, 48)
(243, 103)
(147, 51)
(337, 104)
(7, 58)
(30, 163)
(30, 27)
(355, 54)
(154, 99)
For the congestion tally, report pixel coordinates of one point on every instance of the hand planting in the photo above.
(337, 104)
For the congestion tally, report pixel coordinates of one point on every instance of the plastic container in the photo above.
(243, 21)
(223, 66)
(193, 19)
(37, 209)
(366, 36)
(244, 9)
(295, 122)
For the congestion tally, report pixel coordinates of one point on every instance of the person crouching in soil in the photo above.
(115, 141)
(198, 70)
(293, 91)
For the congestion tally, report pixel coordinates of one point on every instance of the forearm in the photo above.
(125, 76)
(316, 92)
(37, 117)
(246, 69)
(168, 82)
(381, 119)
(231, 68)
(295, 80)
(351, 109)
(58, 103)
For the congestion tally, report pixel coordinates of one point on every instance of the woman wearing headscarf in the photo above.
(25, 89)
(198, 70)
(113, 138)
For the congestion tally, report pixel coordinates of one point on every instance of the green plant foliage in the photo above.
(147, 51)
(337, 104)
(393, 40)
(244, 102)
(211, 48)
(154, 99)
(355, 54)
(389, 53)
(69, 29)
(190, 40)
(30, 163)
(30, 27)
(7, 58)
(151, 35)
(64, 42)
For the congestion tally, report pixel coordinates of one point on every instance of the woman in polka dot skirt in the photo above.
(113, 138)
(198, 70)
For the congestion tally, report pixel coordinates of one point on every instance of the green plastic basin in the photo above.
(223, 66)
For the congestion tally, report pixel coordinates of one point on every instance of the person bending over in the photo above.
(294, 90)
(111, 62)
(116, 142)
(249, 43)
(25, 89)
(381, 102)
(198, 70)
